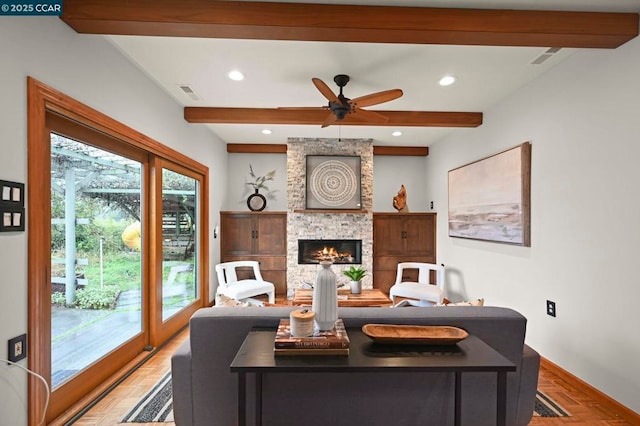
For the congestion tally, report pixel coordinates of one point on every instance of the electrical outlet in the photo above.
(551, 308)
(18, 348)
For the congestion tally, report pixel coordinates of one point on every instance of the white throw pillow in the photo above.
(222, 300)
(477, 302)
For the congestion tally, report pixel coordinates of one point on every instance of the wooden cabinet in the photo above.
(401, 237)
(260, 236)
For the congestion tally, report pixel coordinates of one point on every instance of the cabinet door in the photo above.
(383, 280)
(237, 234)
(388, 236)
(419, 235)
(271, 234)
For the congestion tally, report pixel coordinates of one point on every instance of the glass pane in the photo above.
(96, 274)
(179, 241)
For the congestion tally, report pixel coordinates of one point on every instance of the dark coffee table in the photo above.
(472, 354)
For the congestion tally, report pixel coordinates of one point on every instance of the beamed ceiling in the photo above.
(280, 46)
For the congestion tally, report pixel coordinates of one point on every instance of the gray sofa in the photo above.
(205, 391)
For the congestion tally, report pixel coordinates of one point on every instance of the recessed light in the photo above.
(235, 75)
(266, 132)
(396, 133)
(447, 80)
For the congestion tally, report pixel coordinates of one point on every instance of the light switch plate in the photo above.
(18, 348)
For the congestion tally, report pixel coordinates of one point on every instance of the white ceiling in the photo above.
(278, 73)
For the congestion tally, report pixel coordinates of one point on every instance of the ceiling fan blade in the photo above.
(331, 119)
(324, 108)
(370, 116)
(325, 90)
(376, 98)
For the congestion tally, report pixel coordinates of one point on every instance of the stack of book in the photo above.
(332, 342)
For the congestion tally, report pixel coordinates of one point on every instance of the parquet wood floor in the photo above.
(584, 409)
(112, 407)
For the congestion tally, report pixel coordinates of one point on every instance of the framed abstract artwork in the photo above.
(489, 199)
(333, 182)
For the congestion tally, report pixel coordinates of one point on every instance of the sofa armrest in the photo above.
(528, 384)
(181, 385)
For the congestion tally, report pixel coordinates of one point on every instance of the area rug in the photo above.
(547, 407)
(156, 405)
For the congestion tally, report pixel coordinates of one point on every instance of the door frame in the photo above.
(42, 99)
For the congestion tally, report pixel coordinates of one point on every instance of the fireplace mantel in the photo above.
(353, 211)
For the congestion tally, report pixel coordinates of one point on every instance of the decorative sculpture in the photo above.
(400, 200)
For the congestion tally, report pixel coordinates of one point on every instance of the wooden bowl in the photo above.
(414, 334)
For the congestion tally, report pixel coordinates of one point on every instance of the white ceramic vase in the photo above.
(325, 298)
(356, 287)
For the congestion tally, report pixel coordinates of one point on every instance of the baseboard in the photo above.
(604, 400)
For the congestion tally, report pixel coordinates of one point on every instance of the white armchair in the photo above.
(230, 286)
(421, 293)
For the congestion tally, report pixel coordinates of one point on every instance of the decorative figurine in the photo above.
(400, 200)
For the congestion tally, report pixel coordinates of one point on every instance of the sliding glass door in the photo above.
(179, 242)
(96, 255)
(179, 264)
(117, 248)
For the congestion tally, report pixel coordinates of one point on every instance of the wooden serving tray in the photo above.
(414, 334)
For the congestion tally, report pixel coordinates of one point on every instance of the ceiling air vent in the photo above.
(187, 90)
(545, 55)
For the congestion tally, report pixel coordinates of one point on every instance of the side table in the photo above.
(256, 356)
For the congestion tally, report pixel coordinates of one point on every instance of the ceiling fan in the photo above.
(341, 106)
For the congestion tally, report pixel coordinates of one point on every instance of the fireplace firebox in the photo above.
(337, 251)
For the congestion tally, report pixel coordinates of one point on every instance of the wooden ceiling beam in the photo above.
(350, 23)
(212, 115)
(254, 148)
(409, 151)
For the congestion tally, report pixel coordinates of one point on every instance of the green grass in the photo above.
(119, 269)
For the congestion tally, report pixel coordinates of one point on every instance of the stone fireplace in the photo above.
(327, 225)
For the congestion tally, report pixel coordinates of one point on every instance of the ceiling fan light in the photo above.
(396, 133)
(235, 75)
(447, 80)
(266, 132)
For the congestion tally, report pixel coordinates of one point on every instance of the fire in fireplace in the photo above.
(337, 251)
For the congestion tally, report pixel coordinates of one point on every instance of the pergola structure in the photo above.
(78, 168)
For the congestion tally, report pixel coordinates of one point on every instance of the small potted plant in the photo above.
(356, 275)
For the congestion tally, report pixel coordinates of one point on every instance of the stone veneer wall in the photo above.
(311, 225)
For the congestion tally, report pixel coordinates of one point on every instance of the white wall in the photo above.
(583, 121)
(92, 71)
(389, 172)
(262, 164)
